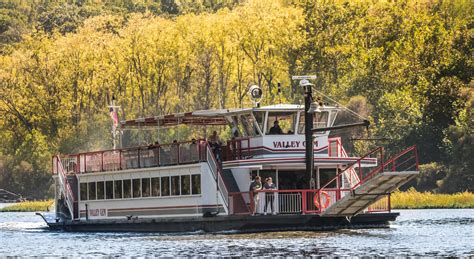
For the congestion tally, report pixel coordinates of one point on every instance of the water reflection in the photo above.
(417, 233)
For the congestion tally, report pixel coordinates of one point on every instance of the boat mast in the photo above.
(308, 122)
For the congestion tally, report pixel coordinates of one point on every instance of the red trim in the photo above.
(166, 207)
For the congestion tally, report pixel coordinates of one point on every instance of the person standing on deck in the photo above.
(215, 144)
(269, 196)
(255, 186)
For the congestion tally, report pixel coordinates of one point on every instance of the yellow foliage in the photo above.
(412, 199)
(29, 206)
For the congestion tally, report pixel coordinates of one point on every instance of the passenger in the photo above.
(290, 132)
(275, 130)
(215, 144)
(255, 186)
(156, 152)
(269, 196)
(174, 152)
(193, 151)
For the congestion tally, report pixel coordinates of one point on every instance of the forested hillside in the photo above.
(407, 65)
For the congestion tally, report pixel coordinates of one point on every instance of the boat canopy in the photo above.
(222, 117)
(201, 117)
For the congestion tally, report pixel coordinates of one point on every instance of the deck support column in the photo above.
(308, 131)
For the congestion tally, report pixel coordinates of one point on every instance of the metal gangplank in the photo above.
(374, 185)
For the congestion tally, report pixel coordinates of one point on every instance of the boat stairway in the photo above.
(376, 185)
(238, 203)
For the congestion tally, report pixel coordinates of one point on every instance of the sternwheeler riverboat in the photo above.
(204, 184)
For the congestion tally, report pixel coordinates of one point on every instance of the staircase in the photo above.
(67, 187)
(374, 185)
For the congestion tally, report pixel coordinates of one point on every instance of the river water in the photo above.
(415, 233)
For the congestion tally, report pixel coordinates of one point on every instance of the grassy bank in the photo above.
(29, 206)
(427, 200)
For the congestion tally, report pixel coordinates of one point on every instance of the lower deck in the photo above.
(229, 223)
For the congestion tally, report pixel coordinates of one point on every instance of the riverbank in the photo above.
(412, 199)
(29, 206)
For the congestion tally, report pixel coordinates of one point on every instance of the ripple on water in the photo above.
(417, 233)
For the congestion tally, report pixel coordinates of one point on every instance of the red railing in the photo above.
(409, 161)
(236, 149)
(136, 157)
(283, 201)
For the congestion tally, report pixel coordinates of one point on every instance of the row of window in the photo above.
(142, 187)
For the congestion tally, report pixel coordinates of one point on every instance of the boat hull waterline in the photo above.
(237, 223)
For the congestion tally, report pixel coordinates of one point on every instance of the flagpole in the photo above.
(114, 116)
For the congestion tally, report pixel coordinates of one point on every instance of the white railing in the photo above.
(350, 174)
(64, 186)
(283, 203)
(211, 160)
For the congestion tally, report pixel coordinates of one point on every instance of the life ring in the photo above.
(323, 205)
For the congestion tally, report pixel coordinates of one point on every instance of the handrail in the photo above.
(351, 165)
(65, 187)
(375, 171)
(217, 175)
(391, 160)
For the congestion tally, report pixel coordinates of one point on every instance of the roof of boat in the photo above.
(205, 117)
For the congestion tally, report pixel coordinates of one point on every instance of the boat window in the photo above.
(127, 189)
(155, 186)
(146, 187)
(196, 183)
(260, 117)
(286, 123)
(109, 190)
(83, 191)
(92, 191)
(118, 189)
(100, 190)
(137, 188)
(246, 125)
(165, 186)
(185, 184)
(320, 120)
(175, 185)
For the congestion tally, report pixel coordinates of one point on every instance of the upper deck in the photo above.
(254, 142)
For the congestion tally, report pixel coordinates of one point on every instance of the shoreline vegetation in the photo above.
(29, 206)
(410, 199)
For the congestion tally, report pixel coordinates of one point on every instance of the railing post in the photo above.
(389, 204)
(120, 159)
(138, 157)
(381, 159)
(304, 201)
(178, 148)
(416, 157)
(360, 172)
(101, 161)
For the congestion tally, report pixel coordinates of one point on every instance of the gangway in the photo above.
(377, 184)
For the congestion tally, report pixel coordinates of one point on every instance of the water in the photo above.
(416, 232)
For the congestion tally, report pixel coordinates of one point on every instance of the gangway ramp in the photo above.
(368, 193)
(370, 187)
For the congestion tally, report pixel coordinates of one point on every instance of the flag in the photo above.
(114, 117)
